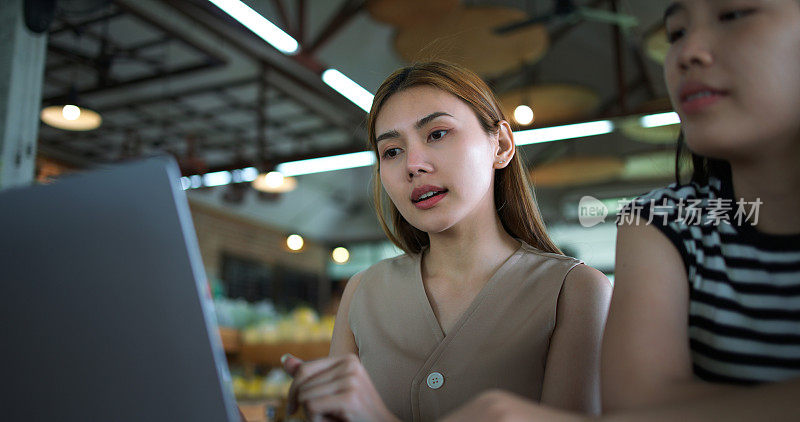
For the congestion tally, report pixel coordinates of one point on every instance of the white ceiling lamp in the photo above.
(334, 162)
(659, 129)
(340, 255)
(660, 119)
(523, 115)
(274, 182)
(295, 242)
(217, 178)
(559, 133)
(260, 26)
(347, 87)
(71, 117)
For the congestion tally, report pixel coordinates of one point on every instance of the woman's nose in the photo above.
(417, 161)
(695, 49)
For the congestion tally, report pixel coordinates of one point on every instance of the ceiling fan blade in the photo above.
(505, 29)
(604, 16)
(564, 7)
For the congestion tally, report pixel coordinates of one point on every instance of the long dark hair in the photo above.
(703, 168)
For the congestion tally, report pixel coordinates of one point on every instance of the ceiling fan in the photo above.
(39, 14)
(81, 7)
(568, 11)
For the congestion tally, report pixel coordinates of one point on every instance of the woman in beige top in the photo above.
(482, 299)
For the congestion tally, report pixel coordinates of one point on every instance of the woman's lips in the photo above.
(430, 202)
(696, 96)
(700, 101)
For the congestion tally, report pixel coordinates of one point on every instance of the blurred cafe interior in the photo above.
(269, 130)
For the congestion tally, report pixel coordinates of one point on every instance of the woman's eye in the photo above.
(391, 152)
(673, 36)
(437, 134)
(735, 14)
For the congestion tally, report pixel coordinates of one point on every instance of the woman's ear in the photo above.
(505, 145)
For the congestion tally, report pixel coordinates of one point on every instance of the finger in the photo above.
(332, 407)
(334, 386)
(325, 418)
(306, 371)
(312, 368)
(290, 363)
(339, 369)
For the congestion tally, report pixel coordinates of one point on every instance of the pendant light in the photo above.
(274, 182)
(71, 116)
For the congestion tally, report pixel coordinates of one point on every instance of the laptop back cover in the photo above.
(104, 302)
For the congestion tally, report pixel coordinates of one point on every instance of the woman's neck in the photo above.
(775, 183)
(470, 250)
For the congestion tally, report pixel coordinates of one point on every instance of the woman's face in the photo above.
(733, 74)
(436, 161)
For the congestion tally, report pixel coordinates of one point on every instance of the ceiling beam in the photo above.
(197, 90)
(301, 22)
(170, 32)
(284, 18)
(348, 10)
(79, 27)
(262, 119)
(301, 69)
(183, 70)
(72, 55)
(211, 59)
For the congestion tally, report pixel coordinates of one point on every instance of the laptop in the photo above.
(103, 301)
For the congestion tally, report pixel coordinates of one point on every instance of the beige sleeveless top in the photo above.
(500, 341)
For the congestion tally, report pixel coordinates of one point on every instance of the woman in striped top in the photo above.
(705, 316)
(743, 283)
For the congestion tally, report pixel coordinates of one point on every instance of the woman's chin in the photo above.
(723, 149)
(431, 225)
(724, 143)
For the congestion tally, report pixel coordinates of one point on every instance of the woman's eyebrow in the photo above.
(427, 119)
(387, 135)
(420, 123)
(672, 9)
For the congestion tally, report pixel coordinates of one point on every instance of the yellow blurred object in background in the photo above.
(305, 316)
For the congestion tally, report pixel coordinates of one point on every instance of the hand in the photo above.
(502, 406)
(334, 388)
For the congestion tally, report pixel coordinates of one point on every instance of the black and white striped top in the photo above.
(744, 285)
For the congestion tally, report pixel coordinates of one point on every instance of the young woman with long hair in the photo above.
(482, 298)
(705, 316)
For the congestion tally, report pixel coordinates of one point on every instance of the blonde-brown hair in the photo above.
(513, 195)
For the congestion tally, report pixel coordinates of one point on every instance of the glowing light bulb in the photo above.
(71, 112)
(294, 242)
(523, 115)
(340, 255)
(273, 179)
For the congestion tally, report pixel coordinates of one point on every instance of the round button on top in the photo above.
(435, 380)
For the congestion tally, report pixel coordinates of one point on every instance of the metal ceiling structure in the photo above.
(181, 76)
(269, 111)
